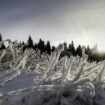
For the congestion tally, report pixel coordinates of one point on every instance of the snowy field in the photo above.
(30, 78)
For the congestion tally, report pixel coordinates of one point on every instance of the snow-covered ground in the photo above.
(30, 79)
(19, 82)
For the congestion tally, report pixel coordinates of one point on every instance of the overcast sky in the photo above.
(82, 21)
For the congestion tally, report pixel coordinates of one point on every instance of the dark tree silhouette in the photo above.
(48, 47)
(30, 42)
(0, 37)
(2, 46)
(71, 49)
(79, 51)
(53, 48)
(41, 45)
(65, 46)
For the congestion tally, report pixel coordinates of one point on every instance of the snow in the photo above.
(21, 81)
(30, 79)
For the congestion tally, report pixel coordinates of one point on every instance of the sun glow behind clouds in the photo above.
(83, 38)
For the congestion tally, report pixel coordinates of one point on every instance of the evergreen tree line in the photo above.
(69, 49)
(41, 45)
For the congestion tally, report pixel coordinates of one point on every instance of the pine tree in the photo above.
(71, 49)
(30, 42)
(65, 46)
(79, 51)
(0, 37)
(41, 45)
(48, 47)
(2, 46)
(53, 48)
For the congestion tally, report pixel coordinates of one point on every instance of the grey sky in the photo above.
(56, 20)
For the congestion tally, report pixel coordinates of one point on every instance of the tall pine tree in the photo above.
(71, 49)
(48, 47)
(79, 50)
(41, 45)
(30, 42)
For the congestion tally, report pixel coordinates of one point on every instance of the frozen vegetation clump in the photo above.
(56, 81)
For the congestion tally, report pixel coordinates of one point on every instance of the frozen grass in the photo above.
(32, 79)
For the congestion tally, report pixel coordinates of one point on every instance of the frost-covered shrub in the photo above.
(60, 81)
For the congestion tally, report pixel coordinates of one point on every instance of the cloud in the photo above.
(54, 20)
